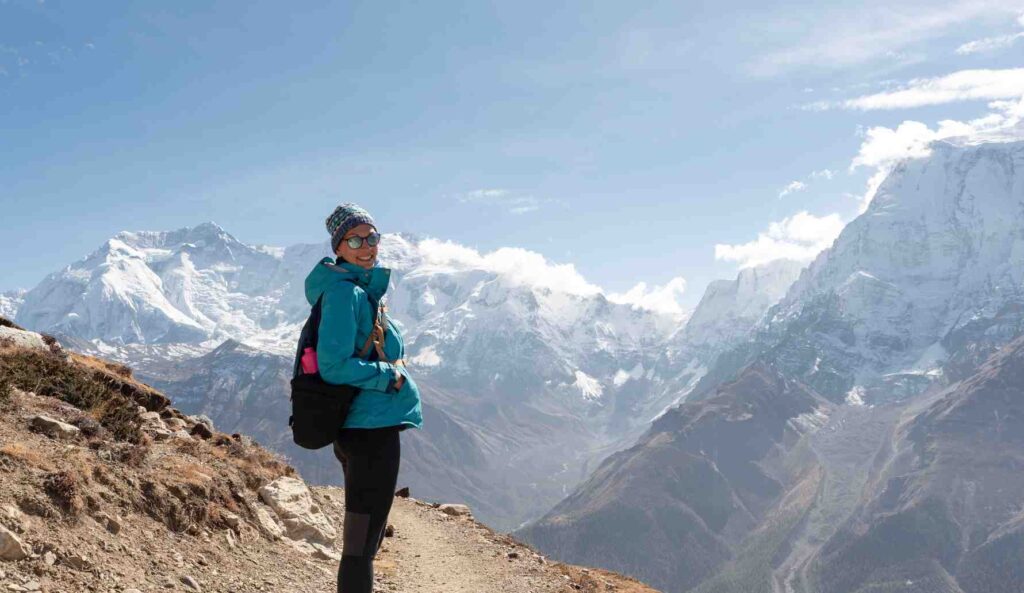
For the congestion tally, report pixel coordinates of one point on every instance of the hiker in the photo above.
(360, 346)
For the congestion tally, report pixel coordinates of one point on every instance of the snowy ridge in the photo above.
(10, 302)
(939, 252)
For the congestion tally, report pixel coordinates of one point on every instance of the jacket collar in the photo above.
(374, 281)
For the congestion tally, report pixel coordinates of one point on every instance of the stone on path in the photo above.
(302, 517)
(455, 510)
(11, 546)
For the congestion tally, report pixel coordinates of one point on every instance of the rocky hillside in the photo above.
(104, 486)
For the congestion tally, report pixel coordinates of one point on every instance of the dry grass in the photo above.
(27, 455)
(52, 375)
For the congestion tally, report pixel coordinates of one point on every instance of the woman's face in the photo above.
(365, 256)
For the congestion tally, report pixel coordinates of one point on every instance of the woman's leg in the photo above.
(371, 472)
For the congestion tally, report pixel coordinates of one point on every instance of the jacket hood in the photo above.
(327, 273)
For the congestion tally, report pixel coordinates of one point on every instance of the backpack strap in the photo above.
(378, 335)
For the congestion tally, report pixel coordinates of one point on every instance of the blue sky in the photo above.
(626, 138)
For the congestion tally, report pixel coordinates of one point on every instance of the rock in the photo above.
(322, 552)
(54, 428)
(403, 492)
(49, 558)
(513, 555)
(269, 523)
(78, 562)
(175, 424)
(11, 546)
(229, 536)
(131, 591)
(202, 431)
(25, 339)
(18, 519)
(456, 510)
(141, 410)
(232, 520)
(32, 586)
(202, 419)
(112, 524)
(302, 518)
(182, 434)
(191, 583)
(152, 418)
(158, 434)
(389, 531)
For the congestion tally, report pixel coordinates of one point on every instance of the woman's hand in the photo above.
(400, 382)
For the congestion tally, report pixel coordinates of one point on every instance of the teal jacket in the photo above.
(350, 297)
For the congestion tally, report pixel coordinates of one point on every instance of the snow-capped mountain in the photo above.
(731, 309)
(727, 316)
(186, 286)
(10, 302)
(939, 252)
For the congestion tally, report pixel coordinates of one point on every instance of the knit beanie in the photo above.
(344, 218)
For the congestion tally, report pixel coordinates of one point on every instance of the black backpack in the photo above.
(319, 409)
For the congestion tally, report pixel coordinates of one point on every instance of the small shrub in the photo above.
(65, 489)
(133, 454)
(5, 393)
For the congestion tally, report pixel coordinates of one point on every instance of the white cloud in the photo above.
(826, 174)
(869, 31)
(512, 263)
(794, 186)
(799, 237)
(989, 44)
(507, 199)
(964, 85)
(660, 299)
(884, 147)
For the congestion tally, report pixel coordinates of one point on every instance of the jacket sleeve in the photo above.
(336, 356)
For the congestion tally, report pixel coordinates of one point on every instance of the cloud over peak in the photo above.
(799, 237)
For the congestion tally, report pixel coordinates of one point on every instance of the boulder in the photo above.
(78, 561)
(175, 424)
(455, 510)
(202, 431)
(302, 517)
(23, 338)
(268, 522)
(11, 546)
(54, 428)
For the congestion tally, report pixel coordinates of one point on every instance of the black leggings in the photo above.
(370, 459)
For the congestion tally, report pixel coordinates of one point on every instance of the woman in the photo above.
(359, 346)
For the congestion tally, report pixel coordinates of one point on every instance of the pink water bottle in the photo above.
(308, 362)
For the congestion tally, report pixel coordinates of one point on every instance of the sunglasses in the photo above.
(356, 242)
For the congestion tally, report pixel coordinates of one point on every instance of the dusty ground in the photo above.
(181, 514)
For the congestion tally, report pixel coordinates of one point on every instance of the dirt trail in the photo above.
(433, 552)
